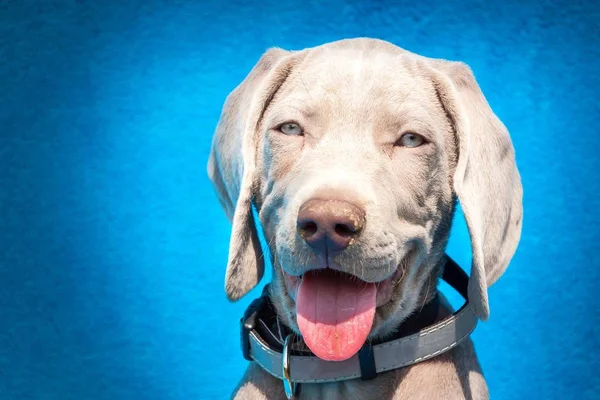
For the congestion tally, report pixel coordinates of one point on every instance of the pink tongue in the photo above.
(335, 313)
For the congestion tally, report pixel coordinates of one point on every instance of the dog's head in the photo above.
(354, 153)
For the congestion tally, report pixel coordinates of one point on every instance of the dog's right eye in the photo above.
(410, 139)
(291, 128)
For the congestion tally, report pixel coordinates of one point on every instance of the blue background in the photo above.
(113, 245)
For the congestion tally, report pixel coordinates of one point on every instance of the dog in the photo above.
(355, 155)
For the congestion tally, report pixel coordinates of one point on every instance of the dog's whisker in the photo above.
(426, 292)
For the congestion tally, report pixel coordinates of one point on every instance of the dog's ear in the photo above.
(486, 179)
(232, 163)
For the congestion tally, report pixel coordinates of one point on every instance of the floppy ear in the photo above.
(486, 180)
(231, 167)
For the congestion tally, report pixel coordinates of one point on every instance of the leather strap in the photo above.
(397, 353)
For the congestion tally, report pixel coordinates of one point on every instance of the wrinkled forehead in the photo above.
(356, 81)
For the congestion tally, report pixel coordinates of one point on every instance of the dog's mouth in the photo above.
(335, 310)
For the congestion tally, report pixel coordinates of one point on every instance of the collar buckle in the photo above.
(288, 385)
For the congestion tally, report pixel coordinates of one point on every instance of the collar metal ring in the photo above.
(288, 385)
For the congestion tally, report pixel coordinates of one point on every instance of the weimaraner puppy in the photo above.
(355, 154)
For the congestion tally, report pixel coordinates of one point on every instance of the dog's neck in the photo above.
(271, 329)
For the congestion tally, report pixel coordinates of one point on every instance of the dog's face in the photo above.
(360, 135)
(352, 154)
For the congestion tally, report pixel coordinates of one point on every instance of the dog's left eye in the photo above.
(410, 139)
(291, 128)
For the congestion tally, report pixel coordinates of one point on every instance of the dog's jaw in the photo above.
(406, 295)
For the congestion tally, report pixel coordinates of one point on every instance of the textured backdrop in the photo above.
(113, 246)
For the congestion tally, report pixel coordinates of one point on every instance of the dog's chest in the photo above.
(376, 389)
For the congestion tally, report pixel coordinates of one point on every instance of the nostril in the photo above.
(344, 230)
(329, 225)
(308, 228)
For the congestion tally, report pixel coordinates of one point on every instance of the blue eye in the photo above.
(291, 128)
(410, 139)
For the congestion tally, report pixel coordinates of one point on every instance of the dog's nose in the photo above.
(330, 225)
